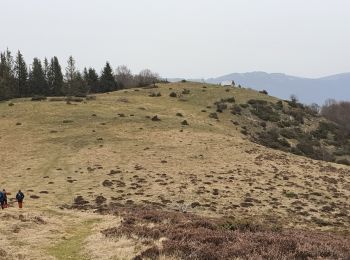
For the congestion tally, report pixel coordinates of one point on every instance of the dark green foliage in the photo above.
(107, 80)
(256, 102)
(314, 151)
(229, 100)
(91, 79)
(7, 79)
(55, 77)
(173, 94)
(244, 105)
(292, 133)
(74, 85)
(37, 82)
(265, 112)
(272, 139)
(21, 76)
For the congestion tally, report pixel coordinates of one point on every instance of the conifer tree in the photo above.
(91, 79)
(7, 79)
(55, 77)
(37, 83)
(21, 76)
(107, 80)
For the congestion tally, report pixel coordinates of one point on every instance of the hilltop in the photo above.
(92, 168)
(309, 90)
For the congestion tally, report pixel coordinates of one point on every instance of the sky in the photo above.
(184, 38)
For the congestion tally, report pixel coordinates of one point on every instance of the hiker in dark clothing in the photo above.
(19, 198)
(5, 198)
(2, 201)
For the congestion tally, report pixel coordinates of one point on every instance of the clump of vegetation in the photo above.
(155, 94)
(173, 95)
(194, 237)
(272, 139)
(263, 110)
(236, 110)
(213, 115)
(38, 98)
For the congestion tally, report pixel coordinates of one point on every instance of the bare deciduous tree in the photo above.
(124, 77)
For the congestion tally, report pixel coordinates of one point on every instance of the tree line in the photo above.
(46, 78)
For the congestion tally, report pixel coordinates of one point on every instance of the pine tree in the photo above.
(107, 79)
(75, 84)
(91, 79)
(37, 83)
(7, 79)
(79, 86)
(55, 77)
(21, 76)
(70, 76)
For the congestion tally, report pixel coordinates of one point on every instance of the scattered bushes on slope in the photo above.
(188, 236)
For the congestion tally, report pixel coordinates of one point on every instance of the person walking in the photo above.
(19, 198)
(5, 198)
(2, 199)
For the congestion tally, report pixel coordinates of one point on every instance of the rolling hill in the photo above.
(172, 172)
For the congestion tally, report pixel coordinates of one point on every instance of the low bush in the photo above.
(186, 92)
(38, 98)
(236, 110)
(343, 161)
(265, 112)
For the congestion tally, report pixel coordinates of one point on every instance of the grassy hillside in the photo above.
(132, 148)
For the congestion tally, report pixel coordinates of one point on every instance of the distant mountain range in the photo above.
(281, 85)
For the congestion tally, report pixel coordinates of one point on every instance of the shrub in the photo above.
(185, 92)
(272, 139)
(265, 112)
(298, 116)
(229, 100)
(263, 92)
(257, 102)
(236, 110)
(38, 98)
(220, 106)
(343, 161)
(213, 115)
(244, 105)
(90, 97)
(173, 94)
(74, 99)
(279, 105)
(155, 94)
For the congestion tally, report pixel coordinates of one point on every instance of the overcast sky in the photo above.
(184, 38)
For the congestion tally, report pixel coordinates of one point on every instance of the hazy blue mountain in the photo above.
(281, 85)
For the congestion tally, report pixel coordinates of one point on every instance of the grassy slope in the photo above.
(207, 155)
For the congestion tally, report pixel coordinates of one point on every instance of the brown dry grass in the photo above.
(111, 152)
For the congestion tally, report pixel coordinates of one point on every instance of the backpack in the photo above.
(1, 197)
(19, 196)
